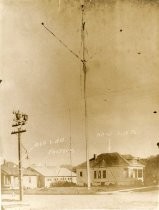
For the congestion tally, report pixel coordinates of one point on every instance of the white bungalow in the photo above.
(110, 168)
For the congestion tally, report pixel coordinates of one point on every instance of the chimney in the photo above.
(95, 156)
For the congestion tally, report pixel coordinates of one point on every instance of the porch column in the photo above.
(3, 179)
(142, 175)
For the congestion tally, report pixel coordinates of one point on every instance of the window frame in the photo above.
(95, 174)
(99, 174)
(140, 173)
(104, 174)
(81, 173)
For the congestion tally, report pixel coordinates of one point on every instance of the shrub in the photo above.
(63, 184)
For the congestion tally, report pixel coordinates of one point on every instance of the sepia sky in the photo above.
(44, 80)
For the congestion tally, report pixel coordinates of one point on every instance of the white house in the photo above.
(135, 168)
(110, 168)
(9, 176)
(52, 175)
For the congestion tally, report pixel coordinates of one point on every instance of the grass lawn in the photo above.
(77, 190)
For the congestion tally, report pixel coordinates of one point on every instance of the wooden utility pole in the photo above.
(0, 174)
(20, 165)
(20, 120)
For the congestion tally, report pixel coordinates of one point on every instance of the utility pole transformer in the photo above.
(19, 120)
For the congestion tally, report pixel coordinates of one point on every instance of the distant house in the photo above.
(30, 179)
(136, 167)
(52, 175)
(110, 168)
(9, 176)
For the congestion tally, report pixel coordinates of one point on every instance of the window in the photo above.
(139, 173)
(104, 174)
(81, 173)
(95, 174)
(135, 173)
(131, 173)
(99, 174)
(125, 172)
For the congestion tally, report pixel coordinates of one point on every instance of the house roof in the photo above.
(128, 157)
(29, 172)
(45, 171)
(12, 169)
(108, 160)
(105, 160)
(66, 172)
(133, 161)
(53, 171)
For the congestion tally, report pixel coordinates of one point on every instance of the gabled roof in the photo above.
(66, 172)
(128, 157)
(136, 163)
(133, 161)
(45, 171)
(106, 160)
(53, 171)
(12, 169)
(29, 172)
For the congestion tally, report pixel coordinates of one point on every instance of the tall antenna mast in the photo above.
(109, 146)
(70, 142)
(85, 91)
(84, 67)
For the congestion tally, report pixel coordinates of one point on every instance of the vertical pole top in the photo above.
(82, 3)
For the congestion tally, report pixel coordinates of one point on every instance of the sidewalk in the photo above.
(10, 202)
(15, 206)
(127, 190)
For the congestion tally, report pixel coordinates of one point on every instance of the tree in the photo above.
(152, 170)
